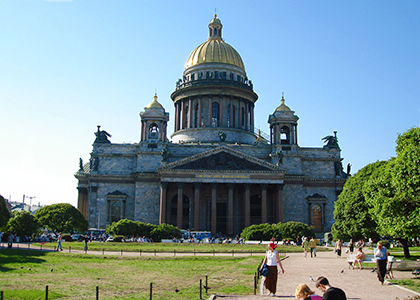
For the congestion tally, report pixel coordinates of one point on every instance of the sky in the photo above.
(68, 66)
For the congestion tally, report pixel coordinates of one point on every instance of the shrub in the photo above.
(66, 237)
(259, 232)
(118, 238)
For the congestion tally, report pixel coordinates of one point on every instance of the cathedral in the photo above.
(216, 172)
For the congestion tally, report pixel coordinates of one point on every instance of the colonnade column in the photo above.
(264, 203)
(190, 113)
(162, 213)
(246, 116)
(183, 117)
(213, 208)
(197, 206)
(199, 113)
(230, 209)
(179, 206)
(279, 198)
(210, 112)
(231, 114)
(221, 107)
(177, 116)
(247, 205)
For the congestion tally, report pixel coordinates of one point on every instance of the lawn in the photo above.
(76, 276)
(171, 247)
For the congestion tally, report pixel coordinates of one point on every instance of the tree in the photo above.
(23, 224)
(351, 211)
(164, 231)
(4, 212)
(123, 227)
(294, 230)
(62, 217)
(259, 232)
(394, 194)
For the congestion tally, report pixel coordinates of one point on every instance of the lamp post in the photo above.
(30, 201)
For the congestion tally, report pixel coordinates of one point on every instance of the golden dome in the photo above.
(155, 104)
(283, 107)
(215, 49)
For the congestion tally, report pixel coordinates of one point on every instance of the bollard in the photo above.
(1, 295)
(207, 285)
(201, 285)
(46, 292)
(151, 289)
(97, 292)
(255, 284)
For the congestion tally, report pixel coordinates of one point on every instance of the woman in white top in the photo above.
(272, 258)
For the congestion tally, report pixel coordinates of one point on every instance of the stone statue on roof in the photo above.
(332, 141)
(101, 136)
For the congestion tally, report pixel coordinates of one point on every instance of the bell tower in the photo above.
(154, 121)
(283, 125)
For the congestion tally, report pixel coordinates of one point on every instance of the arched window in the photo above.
(215, 114)
(316, 217)
(153, 131)
(285, 135)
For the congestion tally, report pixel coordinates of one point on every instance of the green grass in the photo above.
(412, 284)
(75, 276)
(171, 247)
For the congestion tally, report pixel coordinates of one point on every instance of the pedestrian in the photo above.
(381, 256)
(338, 246)
(312, 245)
(304, 292)
(305, 246)
(59, 239)
(86, 240)
(330, 293)
(350, 247)
(360, 256)
(272, 258)
(10, 240)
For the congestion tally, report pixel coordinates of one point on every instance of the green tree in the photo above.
(4, 212)
(123, 227)
(23, 224)
(164, 231)
(293, 230)
(259, 232)
(62, 217)
(351, 211)
(394, 194)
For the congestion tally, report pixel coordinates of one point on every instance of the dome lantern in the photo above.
(215, 28)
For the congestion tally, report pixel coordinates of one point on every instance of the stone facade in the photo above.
(217, 172)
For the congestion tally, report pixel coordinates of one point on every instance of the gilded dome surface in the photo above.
(283, 106)
(215, 49)
(155, 104)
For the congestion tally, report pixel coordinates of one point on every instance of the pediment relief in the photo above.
(222, 158)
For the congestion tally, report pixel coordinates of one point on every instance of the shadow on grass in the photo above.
(13, 256)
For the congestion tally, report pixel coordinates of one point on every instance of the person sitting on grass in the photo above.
(360, 256)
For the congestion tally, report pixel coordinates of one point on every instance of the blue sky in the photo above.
(68, 66)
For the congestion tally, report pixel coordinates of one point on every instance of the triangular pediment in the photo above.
(153, 113)
(222, 159)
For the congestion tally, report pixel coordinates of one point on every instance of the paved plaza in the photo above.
(357, 284)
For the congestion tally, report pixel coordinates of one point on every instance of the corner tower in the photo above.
(214, 101)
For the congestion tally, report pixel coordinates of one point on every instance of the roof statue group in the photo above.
(216, 171)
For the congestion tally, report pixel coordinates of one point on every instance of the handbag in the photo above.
(264, 270)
